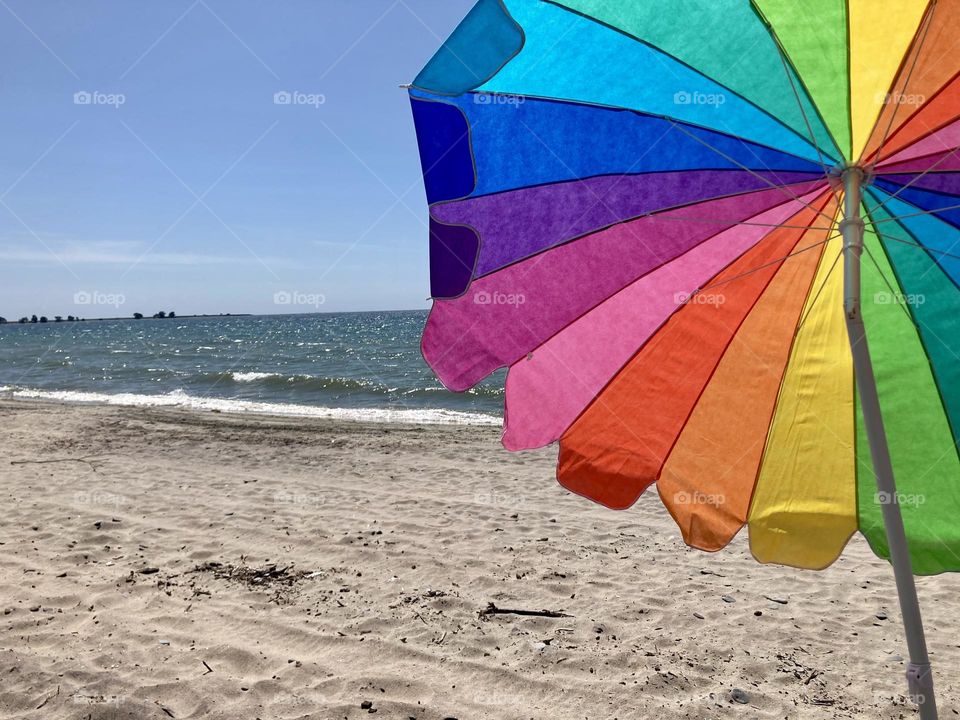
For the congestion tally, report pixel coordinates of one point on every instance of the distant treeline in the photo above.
(71, 318)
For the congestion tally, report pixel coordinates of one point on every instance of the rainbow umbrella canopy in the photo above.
(675, 224)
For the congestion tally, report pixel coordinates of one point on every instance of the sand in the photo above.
(199, 565)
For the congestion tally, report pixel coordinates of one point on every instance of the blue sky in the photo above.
(145, 155)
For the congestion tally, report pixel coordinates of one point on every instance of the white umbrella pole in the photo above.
(919, 674)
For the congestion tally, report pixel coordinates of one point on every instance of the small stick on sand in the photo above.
(48, 699)
(492, 609)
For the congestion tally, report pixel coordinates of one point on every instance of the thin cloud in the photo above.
(112, 253)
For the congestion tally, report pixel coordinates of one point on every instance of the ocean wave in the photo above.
(334, 385)
(180, 399)
(300, 380)
(249, 376)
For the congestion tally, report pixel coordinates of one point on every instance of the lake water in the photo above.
(347, 365)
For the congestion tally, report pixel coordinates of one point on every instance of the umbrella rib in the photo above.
(928, 21)
(925, 346)
(722, 154)
(919, 177)
(544, 341)
(761, 267)
(598, 397)
(600, 200)
(916, 321)
(916, 245)
(894, 294)
(816, 296)
(928, 250)
(892, 218)
(796, 94)
(660, 51)
(873, 223)
(849, 78)
(733, 221)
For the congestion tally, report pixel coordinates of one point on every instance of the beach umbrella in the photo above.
(676, 224)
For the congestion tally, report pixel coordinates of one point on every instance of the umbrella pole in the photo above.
(919, 674)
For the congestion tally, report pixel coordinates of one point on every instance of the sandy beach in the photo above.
(159, 563)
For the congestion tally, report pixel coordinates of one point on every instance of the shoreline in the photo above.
(192, 403)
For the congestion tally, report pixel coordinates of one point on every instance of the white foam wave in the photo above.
(178, 398)
(251, 376)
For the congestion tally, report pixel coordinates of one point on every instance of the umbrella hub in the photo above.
(836, 174)
(851, 227)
